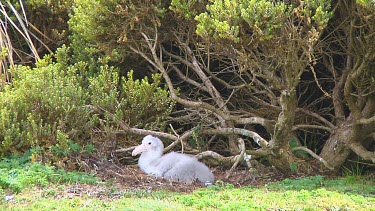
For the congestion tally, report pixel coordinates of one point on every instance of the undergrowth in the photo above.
(18, 172)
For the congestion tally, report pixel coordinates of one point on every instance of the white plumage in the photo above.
(172, 166)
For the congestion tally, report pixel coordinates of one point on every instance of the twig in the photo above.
(129, 129)
(178, 136)
(125, 149)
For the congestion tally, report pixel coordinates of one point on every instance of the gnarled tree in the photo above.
(292, 78)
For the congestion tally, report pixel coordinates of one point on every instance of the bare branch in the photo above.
(241, 146)
(296, 127)
(367, 121)
(317, 116)
(189, 80)
(158, 64)
(268, 124)
(229, 161)
(239, 131)
(313, 155)
(360, 150)
(221, 160)
(129, 129)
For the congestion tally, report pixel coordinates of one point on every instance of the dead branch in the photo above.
(158, 64)
(188, 80)
(241, 146)
(317, 116)
(219, 159)
(129, 149)
(239, 131)
(313, 155)
(296, 127)
(268, 124)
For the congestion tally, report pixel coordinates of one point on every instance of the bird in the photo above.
(172, 166)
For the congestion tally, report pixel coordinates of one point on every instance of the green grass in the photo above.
(39, 187)
(17, 173)
(286, 195)
(340, 194)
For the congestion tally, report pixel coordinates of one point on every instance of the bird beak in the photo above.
(139, 149)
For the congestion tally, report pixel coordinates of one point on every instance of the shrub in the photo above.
(139, 103)
(45, 107)
(39, 102)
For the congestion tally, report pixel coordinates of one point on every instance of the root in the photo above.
(241, 146)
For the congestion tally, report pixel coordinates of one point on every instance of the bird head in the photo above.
(150, 144)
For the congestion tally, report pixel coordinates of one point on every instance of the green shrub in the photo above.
(39, 102)
(101, 28)
(46, 107)
(139, 103)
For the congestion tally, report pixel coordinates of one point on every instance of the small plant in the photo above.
(353, 168)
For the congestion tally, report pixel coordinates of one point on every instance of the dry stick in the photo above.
(313, 155)
(241, 145)
(125, 149)
(178, 136)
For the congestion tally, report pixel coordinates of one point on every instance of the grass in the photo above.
(339, 194)
(17, 174)
(44, 188)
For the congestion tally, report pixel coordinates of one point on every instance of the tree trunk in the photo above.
(335, 150)
(282, 157)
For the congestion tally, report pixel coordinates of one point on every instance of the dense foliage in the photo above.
(48, 107)
(290, 82)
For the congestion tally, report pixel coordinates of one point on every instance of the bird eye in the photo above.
(149, 143)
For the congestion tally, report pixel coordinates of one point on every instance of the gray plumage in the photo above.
(172, 166)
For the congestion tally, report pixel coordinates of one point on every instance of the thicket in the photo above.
(49, 107)
(264, 78)
(273, 77)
